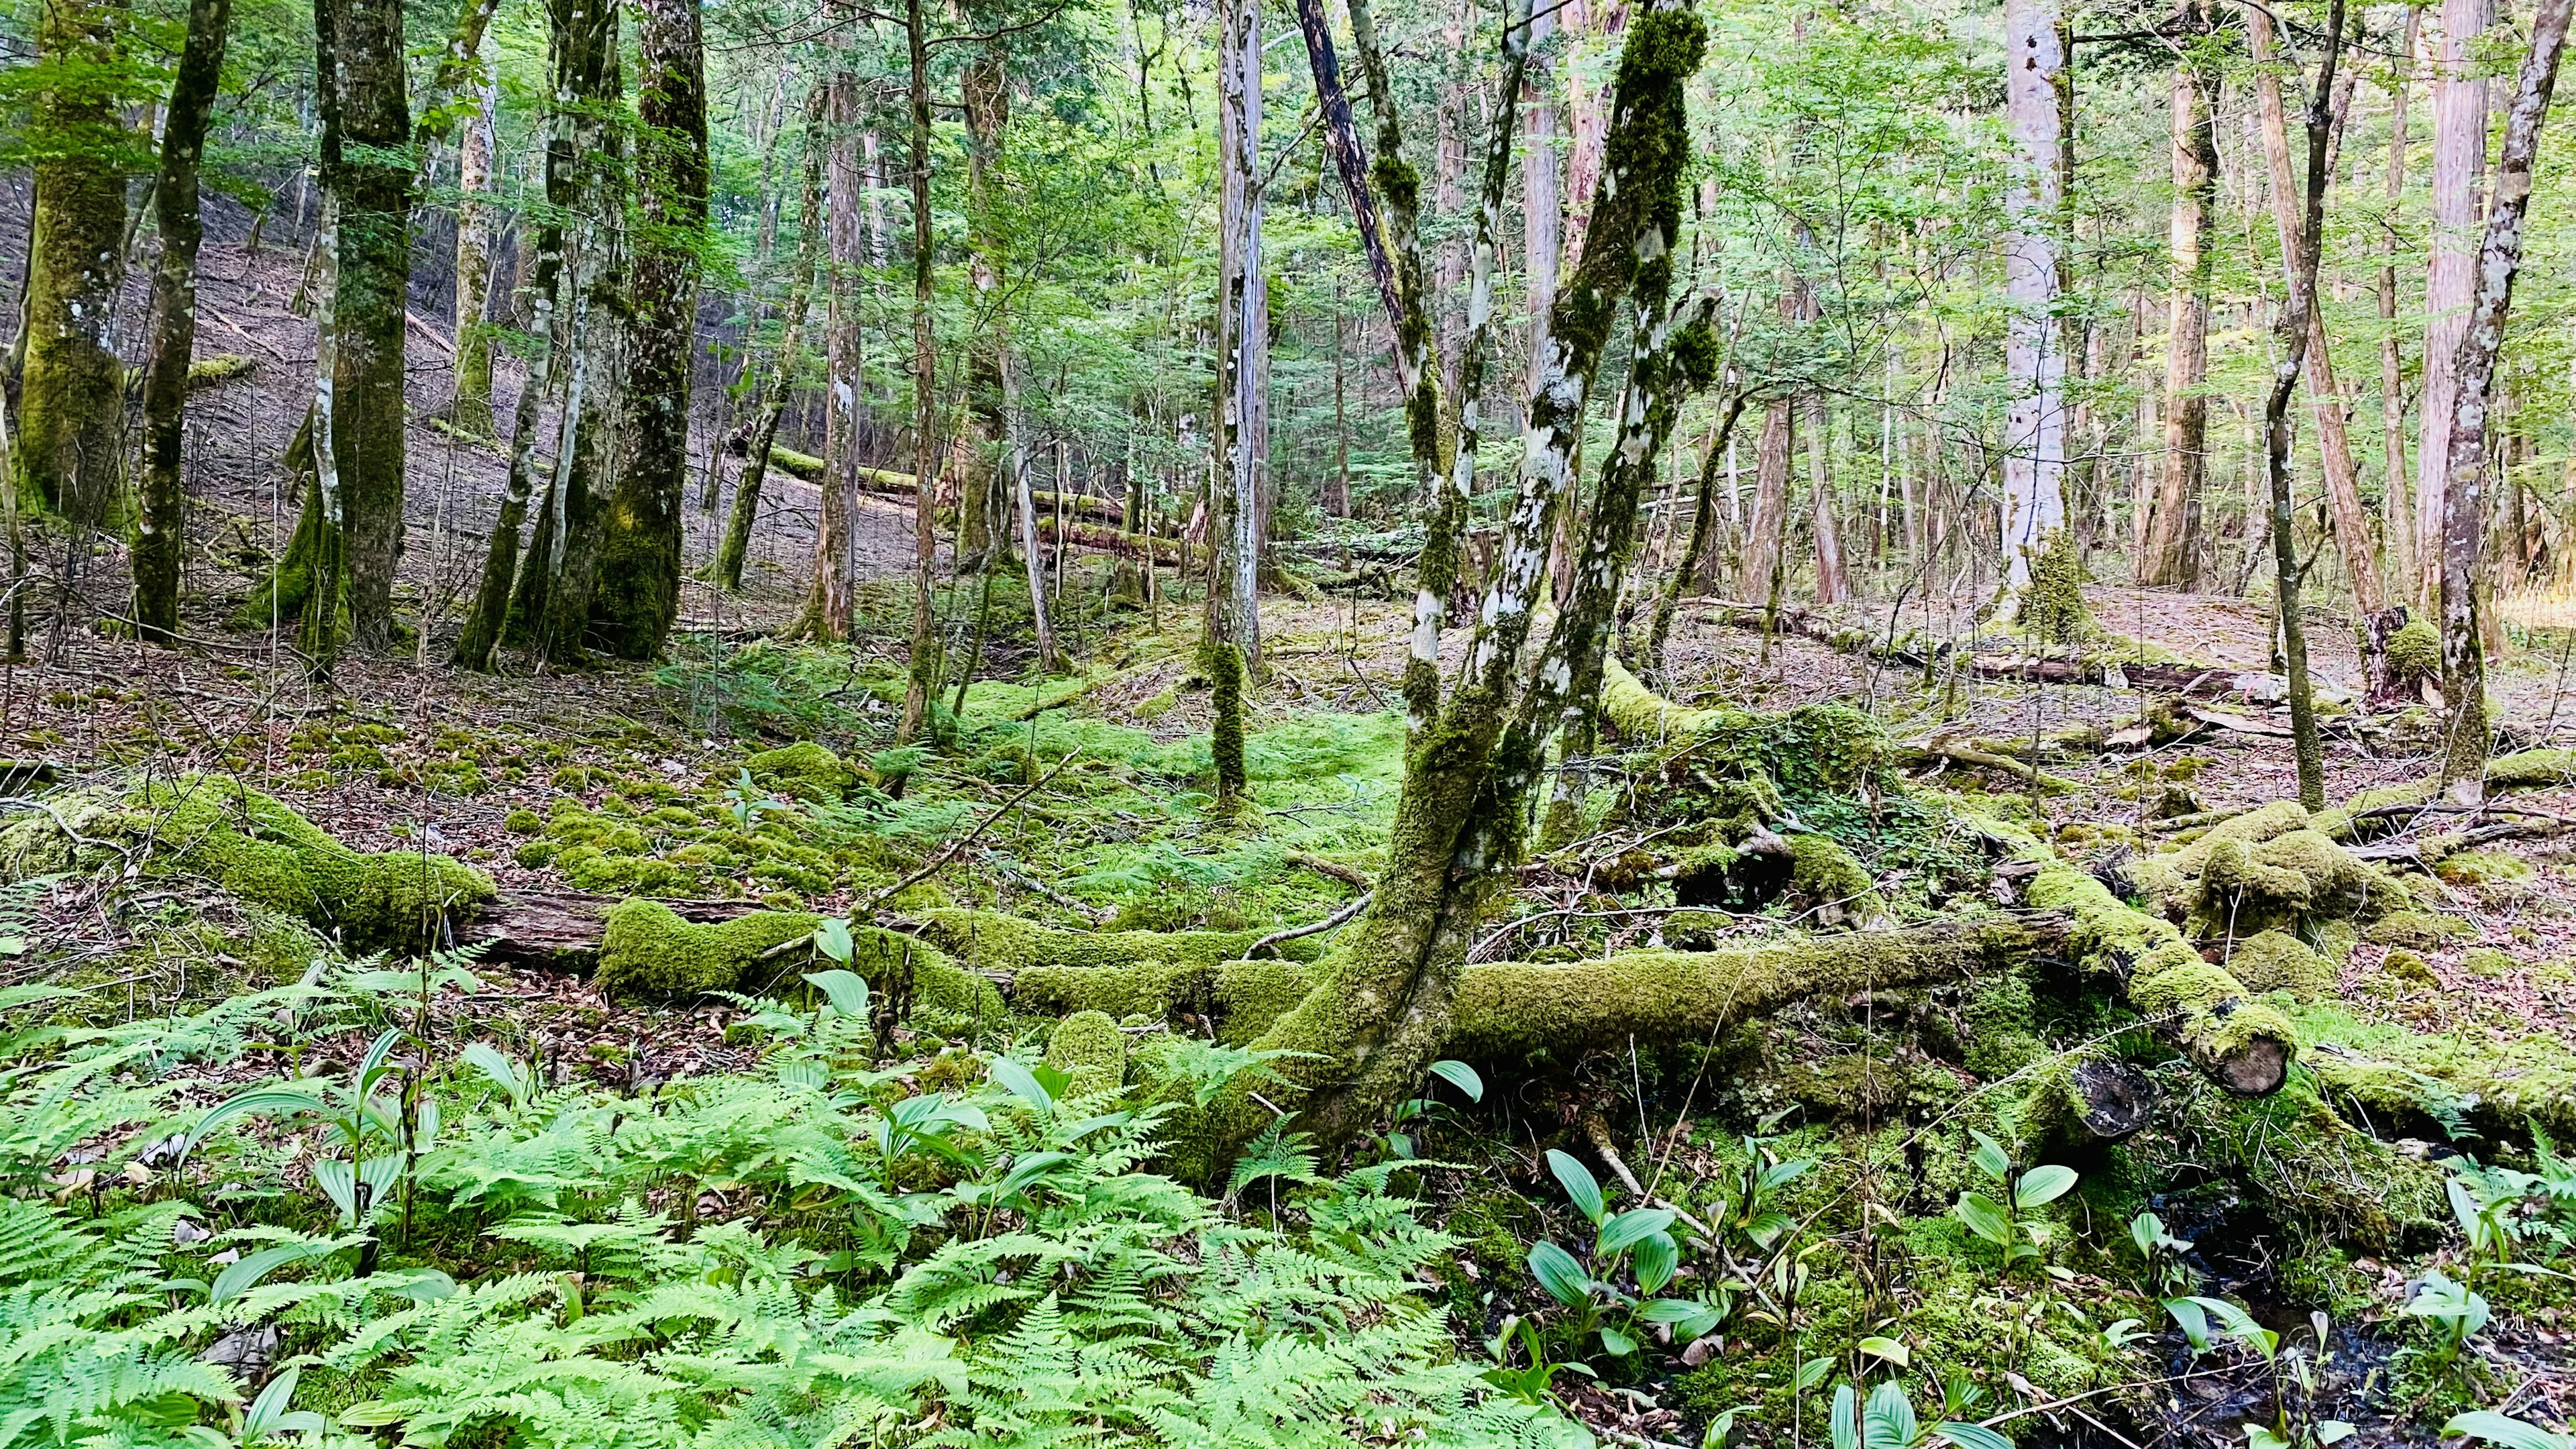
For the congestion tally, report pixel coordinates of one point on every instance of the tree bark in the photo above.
(2303, 238)
(1832, 584)
(161, 532)
(1764, 533)
(1542, 212)
(1243, 339)
(71, 386)
(2034, 464)
(367, 170)
(2463, 521)
(727, 569)
(2173, 550)
(1703, 528)
(637, 597)
(2342, 478)
(2397, 512)
(922, 675)
(2459, 155)
(474, 222)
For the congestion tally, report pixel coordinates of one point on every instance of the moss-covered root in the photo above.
(2245, 1045)
(1088, 1047)
(648, 951)
(1640, 714)
(259, 849)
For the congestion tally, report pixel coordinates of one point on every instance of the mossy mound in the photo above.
(2494, 1084)
(258, 849)
(805, 771)
(2278, 961)
(2420, 930)
(2415, 653)
(1088, 1047)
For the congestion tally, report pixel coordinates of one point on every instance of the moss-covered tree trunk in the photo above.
(1382, 1006)
(637, 597)
(474, 224)
(72, 388)
(2463, 504)
(161, 530)
(367, 170)
(547, 379)
(726, 572)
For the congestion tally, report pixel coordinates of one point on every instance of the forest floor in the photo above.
(388, 755)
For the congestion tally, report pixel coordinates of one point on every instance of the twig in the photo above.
(1341, 917)
(931, 867)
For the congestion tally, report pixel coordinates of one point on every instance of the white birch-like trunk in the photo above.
(2459, 155)
(2035, 437)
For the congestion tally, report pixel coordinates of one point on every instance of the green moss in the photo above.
(1088, 1047)
(1228, 737)
(2497, 1084)
(2532, 770)
(648, 951)
(805, 771)
(2277, 961)
(259, 849)
(523, 822)
(2486, 962)
(2421, 930)
(2408, 969)
(2051, 608)
(2482, 868)
(1832, 882)
(2415, 652)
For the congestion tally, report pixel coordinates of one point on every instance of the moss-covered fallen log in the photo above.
(1911, 650)
(1169, 552)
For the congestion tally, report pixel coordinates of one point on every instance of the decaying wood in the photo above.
(1911, 651)
(1109, 540)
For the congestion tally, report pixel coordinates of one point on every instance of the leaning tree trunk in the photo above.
(1382, 1006)
(2172, 551)
(2459, 154)
(2035, 428)
(2463, 512)
(2342, 477)
(923, 675)
(71, 387)
(637, 597)
(161, 532)
(2303, 236)
(727, 570)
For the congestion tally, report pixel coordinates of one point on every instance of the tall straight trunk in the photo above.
(1342, 138)
(2303, 234)
(1763, 535)
(987, 97)
(584, 183)
(2463, 522)
(1833, 585)
(545, 382)
(2034, 443)
(2342, 477)
(71, 386)
(1448, 190)
(727, 569)
(1243, 339)
(1381, 1007)
(637, 597)
(2397, 513)
(1542, 212)
(161, 532)
(475, 215)
(1586, 111)
(2459, 154)
(1703, 533)
(831, 595)
(367, 169)
(923, 674)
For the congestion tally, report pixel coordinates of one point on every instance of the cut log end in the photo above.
(2255, 1069)
(2114, 1100)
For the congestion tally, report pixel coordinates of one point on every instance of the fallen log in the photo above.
(1914, 651)
(561, 930)
(1080, 505)
(1167, 551)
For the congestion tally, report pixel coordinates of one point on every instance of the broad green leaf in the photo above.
(1888, 1349)
(832, 938)
(1619, 1345)
(2507, 1430)
(846, 990)
(1846, 1420)
(1461, 1076)
(1558, 1273)
(2194, 1323)
(1991, 1158)
(1657, 1259)
(1021, 1084)
(2042, 1185)
(1813, 1371)
(1633, 1226)
(1580, 1186)
(1984, 1217)
(1970, 1436)
(285, 1101)
(1888, 1418)
(243, 1275)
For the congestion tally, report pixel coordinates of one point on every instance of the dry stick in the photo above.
(1342, 917)
(931, 866)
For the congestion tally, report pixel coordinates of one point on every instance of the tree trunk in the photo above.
(1243, 340)
(367, 170)
(1770, 500)
(2343, 483)
(1542, 212)
(546, 380)
(727, 569)
(2034, 438)
(830, 597)
(2173, 550)
(2303, 238)
(2499, 258)
(1832, 584)
(2397, 514)
(2459, 154)
(637, 597)
(71, 386)
(923, 673)
(1382, 1007)
(987, 96)
(1703, 528)
(161, 532)
(474, 218)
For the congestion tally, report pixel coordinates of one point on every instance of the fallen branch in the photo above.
(1109, 540)
(931, 867)
(1336, 920)
(1916, 652)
